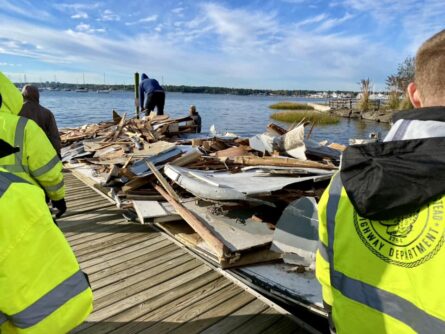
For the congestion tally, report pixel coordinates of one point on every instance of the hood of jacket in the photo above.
(144, 76)
(11, 100)
(390, 179)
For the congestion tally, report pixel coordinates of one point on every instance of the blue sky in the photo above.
(271, 44)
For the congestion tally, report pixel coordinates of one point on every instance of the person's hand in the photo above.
(59, 205)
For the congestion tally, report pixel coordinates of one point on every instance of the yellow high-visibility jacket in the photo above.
(37, 161)
(382, 231)
(42, 289)
(381, 276)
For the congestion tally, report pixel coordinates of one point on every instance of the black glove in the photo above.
(59, 205)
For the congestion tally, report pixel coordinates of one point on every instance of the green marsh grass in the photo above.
(290, 106)
(306, 115)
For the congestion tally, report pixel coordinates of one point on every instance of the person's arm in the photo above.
(322, 261)
(43, 162)
(54, 135)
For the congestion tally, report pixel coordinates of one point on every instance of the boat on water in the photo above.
(104, 91)
(82, 90)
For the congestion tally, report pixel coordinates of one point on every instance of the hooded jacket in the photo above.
(406, 171)
(42, 289)
(37, 161)
(43, 117)
(381, 231)
(147, 86)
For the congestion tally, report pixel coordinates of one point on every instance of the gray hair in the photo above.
(31, 93)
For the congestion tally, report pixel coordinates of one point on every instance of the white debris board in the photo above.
(153, 209)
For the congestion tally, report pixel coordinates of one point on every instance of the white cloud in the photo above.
(76, 7)
(418, 19)
(86, 28)
(334, 22)
(29, 10)
(151, 18)
(109, 15)
(311, 20)
(241, 28)
(177, 10)
(219, 45)
(79, 16)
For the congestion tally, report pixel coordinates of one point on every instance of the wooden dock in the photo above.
(143, 282)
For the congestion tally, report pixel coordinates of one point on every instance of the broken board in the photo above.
(149, 210)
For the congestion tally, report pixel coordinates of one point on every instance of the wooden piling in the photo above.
(136, 93)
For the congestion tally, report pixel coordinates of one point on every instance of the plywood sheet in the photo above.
(237, 231)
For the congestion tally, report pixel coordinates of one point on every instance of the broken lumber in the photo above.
(275, 161)
(163, 181)
(216, 244)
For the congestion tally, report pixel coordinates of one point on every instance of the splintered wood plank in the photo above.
(237, 318)
(192, 311)
(139, 282)
(159, 305)
(168, 281)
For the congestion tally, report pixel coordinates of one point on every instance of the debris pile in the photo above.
(233, 200)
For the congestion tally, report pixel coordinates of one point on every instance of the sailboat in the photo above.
(104, 91)
(82, 89)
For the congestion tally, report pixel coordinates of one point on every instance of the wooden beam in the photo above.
(163, 181)
(275, 161)
(196, 224)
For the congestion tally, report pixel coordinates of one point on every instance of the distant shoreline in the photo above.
(54, 86)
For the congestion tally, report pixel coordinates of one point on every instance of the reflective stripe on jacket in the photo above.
(42, 289)
(37, 161)
(381, 276)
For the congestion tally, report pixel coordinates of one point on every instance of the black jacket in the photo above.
(391, 179)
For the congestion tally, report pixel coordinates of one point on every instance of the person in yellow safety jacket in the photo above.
(37, 161)
(381, 259)
(42, 289)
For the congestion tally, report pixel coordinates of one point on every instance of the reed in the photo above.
(290, 106)
(306, 115)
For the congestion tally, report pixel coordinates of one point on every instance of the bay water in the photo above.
(242, 115)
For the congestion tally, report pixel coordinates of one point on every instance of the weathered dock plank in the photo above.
(145, 283)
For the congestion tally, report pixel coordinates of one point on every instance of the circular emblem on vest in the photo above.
(407, 241)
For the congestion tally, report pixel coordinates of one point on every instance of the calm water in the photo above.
(243, 115)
